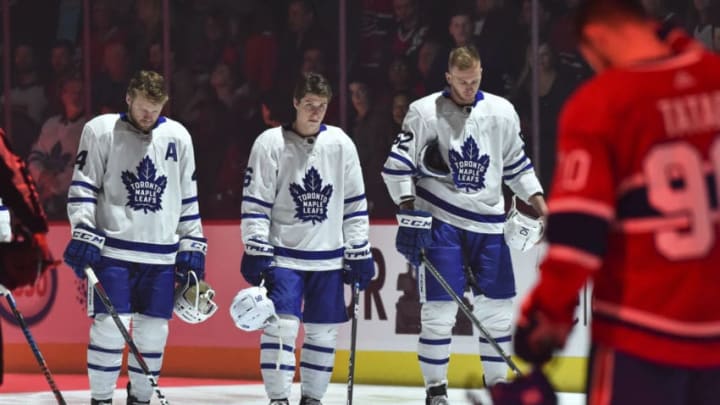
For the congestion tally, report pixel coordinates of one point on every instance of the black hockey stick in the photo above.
(353, 341)
(94, 283)
(36, 351)
(469, 314)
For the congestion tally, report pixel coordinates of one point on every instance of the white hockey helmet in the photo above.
(194, 300)
(521, 231)
(252, 310)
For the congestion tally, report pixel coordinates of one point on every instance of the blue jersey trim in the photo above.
(461, 212)
(353, 199)
(85, 185)
(141, 246)
(524, 169)
(355, 214)
(257, 201)
(189, 200)
(189, 217)
(309, 254)
(516, 164)
(82, 200)
(398, 172)
(403, 159)
(254, 216)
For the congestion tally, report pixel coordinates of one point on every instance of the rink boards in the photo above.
(387, 327)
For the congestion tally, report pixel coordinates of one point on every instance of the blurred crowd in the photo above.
(233, 63)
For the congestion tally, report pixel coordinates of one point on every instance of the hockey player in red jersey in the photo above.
(635, 209)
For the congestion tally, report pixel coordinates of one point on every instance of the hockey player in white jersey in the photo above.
(445, 171)
(134, 214)
(305, 230)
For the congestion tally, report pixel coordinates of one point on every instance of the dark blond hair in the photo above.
(150, 85)
(312, 83)
(463, 57)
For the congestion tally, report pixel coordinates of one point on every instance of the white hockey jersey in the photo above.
(481, 146)
(137, 188)
(305, 196)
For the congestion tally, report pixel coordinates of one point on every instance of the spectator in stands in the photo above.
(375, 28)
(490, 32)
(555, 87)
(410, 32)
(62, 65)
(146, 29)
(372, 132)
(181, 80)
(302, 32)
(52, 157)
(261, 48)
(400, 105)
(215, 46)
(703, 17)
(110, 85)
(27, 93)
(214, 117)
(427, 57)
(105, 29)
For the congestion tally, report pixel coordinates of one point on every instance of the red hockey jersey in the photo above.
(634, 206)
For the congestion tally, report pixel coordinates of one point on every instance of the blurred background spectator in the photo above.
(52, 157)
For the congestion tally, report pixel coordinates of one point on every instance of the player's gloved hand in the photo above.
(84, 249)
(358, 264)
(190, 256)
(5, 228)
(539, 334)
(257, 262)
(414, 234)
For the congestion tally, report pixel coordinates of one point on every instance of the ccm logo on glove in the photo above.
(85, 236)
(415, 222)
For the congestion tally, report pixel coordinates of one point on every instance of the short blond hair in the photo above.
(463, 57)
(150, 85)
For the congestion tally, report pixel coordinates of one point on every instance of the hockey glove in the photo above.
(257, 262)
(84, 249)
(5, 228)
(414, 234)
(190, 256)
(359, 265)
(537, 335)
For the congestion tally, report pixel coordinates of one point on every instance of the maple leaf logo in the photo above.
(144, 190)
(311, 199)
(468, 167)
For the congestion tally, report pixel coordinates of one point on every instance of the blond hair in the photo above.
(464, 57)
(150, 85)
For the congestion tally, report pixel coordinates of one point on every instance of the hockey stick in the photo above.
(469, 314)
(353, 342)
(36, 351)
(94, 283)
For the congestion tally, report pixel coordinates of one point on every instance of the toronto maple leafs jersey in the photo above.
(305, 196)
(137, 188)
(481, 146)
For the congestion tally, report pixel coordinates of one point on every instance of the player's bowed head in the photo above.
(464, 75)
(146, 97)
